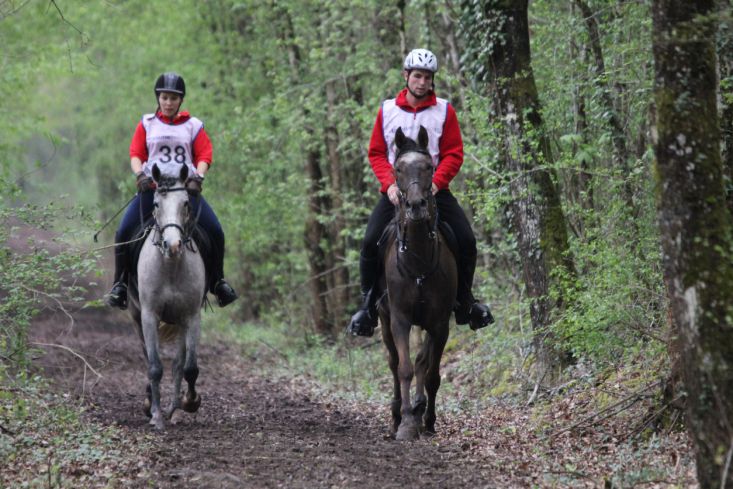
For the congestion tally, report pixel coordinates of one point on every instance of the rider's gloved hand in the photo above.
(394, 194)
(143, 182)
(194, 183)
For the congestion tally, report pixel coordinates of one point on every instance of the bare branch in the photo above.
(13, 10)
(73, 353)
(53, 2)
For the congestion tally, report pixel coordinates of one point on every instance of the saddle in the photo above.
(201, 244)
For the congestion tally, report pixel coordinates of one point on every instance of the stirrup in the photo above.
(224, 293)
(117, 297)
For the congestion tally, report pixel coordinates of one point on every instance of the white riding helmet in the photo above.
(421, 59)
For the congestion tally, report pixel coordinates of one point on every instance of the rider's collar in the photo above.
(429, 100)
(179, 118)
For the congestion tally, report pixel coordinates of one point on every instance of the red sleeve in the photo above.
(138, 145)
(378, 155)
(451, 151)
(203, 150)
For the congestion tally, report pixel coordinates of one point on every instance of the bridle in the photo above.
(186, 233)
(430, 266)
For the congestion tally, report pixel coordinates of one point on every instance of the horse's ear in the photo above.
(422, 137)
(156, 173)
(184, 173)
(399, 138)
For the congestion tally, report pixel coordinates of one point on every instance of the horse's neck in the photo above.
(421, 247)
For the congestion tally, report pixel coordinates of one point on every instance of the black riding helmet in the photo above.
(170, 82)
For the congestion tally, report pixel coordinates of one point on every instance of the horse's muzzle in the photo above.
(173, 248)
(417, 210)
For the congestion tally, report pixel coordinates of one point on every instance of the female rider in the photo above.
(168, 137)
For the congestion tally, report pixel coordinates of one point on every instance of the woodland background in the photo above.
(562, 133)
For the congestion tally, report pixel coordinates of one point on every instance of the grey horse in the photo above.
(171, 286)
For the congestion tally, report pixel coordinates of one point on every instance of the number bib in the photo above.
(170, 146)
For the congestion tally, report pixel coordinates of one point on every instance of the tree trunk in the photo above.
(725, 64)
(340, 291)
(314, 231)
(582, 190)
(538, 218)
(620, 151)
(695, 227)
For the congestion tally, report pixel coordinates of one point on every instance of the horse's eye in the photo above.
(399, 171)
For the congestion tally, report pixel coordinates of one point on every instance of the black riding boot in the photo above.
(469, 310)
(117, 297)
(364, 321)
(224, 292)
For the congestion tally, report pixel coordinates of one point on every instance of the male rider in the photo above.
(416, 105)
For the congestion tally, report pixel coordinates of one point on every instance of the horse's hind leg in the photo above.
(393, 360)
(432, 377)
(155, 367)
(177, 376)
(192, 400)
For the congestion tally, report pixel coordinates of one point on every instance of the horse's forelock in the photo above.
(168, 181)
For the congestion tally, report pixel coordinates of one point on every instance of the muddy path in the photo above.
(250, 431)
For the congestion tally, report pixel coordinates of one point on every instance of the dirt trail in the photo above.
(250, 431)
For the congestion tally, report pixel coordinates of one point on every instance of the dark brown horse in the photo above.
(420, 278)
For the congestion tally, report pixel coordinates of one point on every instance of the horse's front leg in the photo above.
(393, 360)
(177, 376)
(434, 349)
(408, 429)
(421, 366)
(192, 400)
(155, 368)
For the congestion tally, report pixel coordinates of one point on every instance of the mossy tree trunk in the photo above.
(695, 227)
(538, 218)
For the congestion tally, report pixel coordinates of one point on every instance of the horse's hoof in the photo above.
(157, 423)
(168, 413)
(407, 432)
(191, 406)
(146, 408)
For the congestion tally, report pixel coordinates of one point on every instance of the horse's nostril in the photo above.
(423, 202)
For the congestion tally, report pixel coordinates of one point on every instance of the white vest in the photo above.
(170, 146)
(432, 118)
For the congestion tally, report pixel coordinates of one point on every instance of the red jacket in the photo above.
(451, 146)
(202, 147)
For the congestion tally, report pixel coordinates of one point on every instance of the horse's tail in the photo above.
(167, 332)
